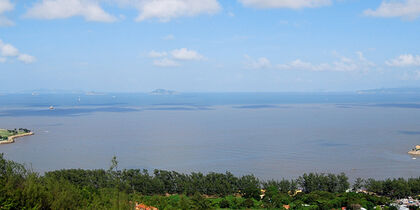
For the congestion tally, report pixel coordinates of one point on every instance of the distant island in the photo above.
(93, 93)
(9, 136)
(163, 92)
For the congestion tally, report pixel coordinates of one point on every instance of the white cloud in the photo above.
(409, 9)
(8, 50)
(165, 10)
(26, 58)
(302, 65)
(404, 61)
(292, 4)
(155, 54)
(259, 63)
(343, 64)
(59, 9)
(170, 59)
(185, 54)
(165, 62)
(5, 6)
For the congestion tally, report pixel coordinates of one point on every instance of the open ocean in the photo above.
(271, 135)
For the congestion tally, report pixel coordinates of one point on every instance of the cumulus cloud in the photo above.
(165, 62)
(165, 10)
(5, 6)
(406, 60)
(259, 63)
(186, 54)
(171, 59)
(409, 9)
(26, 58)
(292, 4)
(302, 65)
(90, 10)
(343, 64)
(9, 51)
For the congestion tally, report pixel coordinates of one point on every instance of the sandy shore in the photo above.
(11, 139)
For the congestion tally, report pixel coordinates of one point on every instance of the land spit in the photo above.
(11, 139)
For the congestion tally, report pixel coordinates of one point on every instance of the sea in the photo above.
(270, 135)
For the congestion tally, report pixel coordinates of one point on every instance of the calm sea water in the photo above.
(269, 135)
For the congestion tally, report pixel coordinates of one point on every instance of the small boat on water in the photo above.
(51, 108)
(415, 151)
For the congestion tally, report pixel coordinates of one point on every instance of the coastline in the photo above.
(11, 139)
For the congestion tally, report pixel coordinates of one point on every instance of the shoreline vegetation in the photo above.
(21, 188)
(9, 136)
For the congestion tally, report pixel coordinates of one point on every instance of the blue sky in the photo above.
(209, 45)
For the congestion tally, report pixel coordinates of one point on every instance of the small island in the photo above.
(9, 136)
(415, 151)
(163, 92)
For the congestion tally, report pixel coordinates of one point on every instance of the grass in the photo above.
(6, 133)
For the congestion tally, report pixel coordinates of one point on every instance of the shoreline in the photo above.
(11, 139)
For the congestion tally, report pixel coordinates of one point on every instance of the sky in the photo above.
(209, 45)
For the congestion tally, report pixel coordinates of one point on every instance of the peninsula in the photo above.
(9, 136)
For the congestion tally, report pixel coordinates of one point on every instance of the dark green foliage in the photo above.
(273, 198)
(248, 203)
(120, 189)
(283, 186)
(321, 182)
(224, 204)
(249, 187)
(358, 184)
(24, 130)
(394, 188)
(199, 202)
